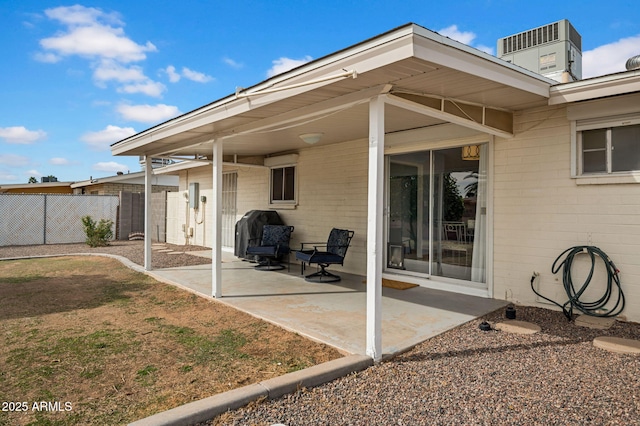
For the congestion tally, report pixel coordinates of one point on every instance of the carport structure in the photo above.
(406, 79)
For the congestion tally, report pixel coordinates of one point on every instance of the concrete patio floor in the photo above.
(332, 313)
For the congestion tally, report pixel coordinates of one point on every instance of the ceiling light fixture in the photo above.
(311, 138)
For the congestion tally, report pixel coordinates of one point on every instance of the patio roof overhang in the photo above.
(409, 78)
(427, 79)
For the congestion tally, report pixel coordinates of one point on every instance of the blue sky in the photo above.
(76, 77)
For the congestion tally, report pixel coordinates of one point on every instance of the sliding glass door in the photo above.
(437, 213)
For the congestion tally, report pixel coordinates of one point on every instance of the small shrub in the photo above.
(98, 234)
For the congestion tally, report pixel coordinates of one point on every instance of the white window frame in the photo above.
(281, 162)
(577, 127)
(292, 202)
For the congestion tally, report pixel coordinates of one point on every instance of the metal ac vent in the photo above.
(531, 38)
(633, 63)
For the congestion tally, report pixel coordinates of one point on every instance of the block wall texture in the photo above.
(540, 211)
(332, 192)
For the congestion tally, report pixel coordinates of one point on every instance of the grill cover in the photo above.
(249, 228)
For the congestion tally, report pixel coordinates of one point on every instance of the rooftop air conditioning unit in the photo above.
(550, 50)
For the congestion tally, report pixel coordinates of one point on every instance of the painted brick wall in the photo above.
(199, 220)
(539, 211)
(332, 192)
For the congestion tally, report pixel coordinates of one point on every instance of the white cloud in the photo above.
(7, 176)
(97, 41)
(174, 77)
(101, 140)
(34, 173)
(80, 15)
(195, 76)
(110, 166)
(464, 37)
(187, 73)
(232, 63)
(89, 33)
(59, 161)
(148, 113)
(150, 88)
(110, 70)
(285, 64)
(452, 31)
(21, 135)
(609, 58)
(485, 49)
(46, 57)
(99, 36)
(14, 160)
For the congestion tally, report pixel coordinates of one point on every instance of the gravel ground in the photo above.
(471, 377)
(132, 250)
(464, 376)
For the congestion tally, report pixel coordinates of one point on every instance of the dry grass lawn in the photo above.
(100, 344)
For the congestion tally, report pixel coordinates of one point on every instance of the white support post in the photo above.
(375, 243)
(216, 248)
(148, 173)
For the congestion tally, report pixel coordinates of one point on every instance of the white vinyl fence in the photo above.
(51, 218)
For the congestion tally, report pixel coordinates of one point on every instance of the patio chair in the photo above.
(334, 253)
(274, 245)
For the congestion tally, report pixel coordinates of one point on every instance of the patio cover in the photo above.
(407, 78)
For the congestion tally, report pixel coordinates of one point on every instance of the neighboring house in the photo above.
(130, 187)
(109, 185)
(124, 182)
(456, 170)
(37, 188)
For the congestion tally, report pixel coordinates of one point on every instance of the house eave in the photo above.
(13, 186)
(232, 105)
(222, 118)
(597, 87)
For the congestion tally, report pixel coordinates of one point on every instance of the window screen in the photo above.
(611, 150)
(283, 181)
(625, 152)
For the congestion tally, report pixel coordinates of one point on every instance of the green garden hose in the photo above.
(595, 308)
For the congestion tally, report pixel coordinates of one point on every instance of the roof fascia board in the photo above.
(438, 49)
(441, 115)
(35, 185)
(374, 53)
(178, 148)
(301, 73)
(309, 112)
(108, 179)
(301, 114)
(403, 42)
(608, 85)
(604, 107)
(183, 165)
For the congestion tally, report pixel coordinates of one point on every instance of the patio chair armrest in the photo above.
(314, 245)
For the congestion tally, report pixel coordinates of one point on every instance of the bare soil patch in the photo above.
(102, 344)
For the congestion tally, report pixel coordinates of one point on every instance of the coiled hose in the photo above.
(595, 308)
